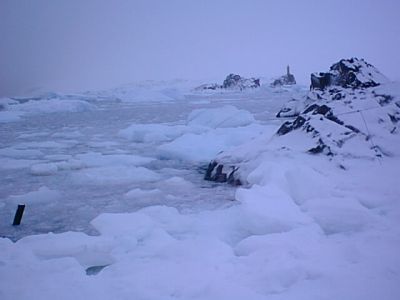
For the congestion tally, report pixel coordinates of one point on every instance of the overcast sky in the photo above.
(89, 44)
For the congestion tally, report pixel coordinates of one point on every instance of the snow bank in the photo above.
(245, 251)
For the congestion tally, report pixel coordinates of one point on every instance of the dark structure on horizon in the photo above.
(287, 79)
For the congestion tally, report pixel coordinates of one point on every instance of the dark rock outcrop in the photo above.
(312, 120)
(336, 101)
(348, 73)
(233, 82)
(287, 79)
(215, 172)
(208, 86)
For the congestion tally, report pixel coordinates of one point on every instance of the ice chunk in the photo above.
(204, 147)
(58, 157)
(20, 153)
(114, 175)
(88, 251)
(13, 164)
(340, 215)
(44, 169)
(54, 105)
(151, 133)
(270, 210)
(223, 117)
(96, 159)
(71, 164)
(42, 195)
(143, 194)
(10, 116)
(177, 183)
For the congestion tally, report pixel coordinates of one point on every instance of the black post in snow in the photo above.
(18, 214)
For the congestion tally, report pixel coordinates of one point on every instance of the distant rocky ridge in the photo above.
(232, 82)
(350, 111)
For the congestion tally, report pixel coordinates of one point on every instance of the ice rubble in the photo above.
(300, 227)
(12, 109)
(268, 246)
(206, 133)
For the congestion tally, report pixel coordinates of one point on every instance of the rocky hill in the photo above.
(351, 111)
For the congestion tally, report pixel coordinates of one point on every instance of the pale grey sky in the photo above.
(88, 44)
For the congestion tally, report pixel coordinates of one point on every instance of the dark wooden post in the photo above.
(18, 214)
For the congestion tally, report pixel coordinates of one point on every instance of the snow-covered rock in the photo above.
(232, 82)
(291, 108)
(351, 116)
(351, 122)
(353, 72)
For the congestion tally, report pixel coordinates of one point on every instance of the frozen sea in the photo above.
(117, 208)
(90, 167)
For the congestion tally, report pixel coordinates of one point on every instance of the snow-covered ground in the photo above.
(117, 208)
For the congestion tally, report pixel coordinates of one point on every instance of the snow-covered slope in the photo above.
(354, 116)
